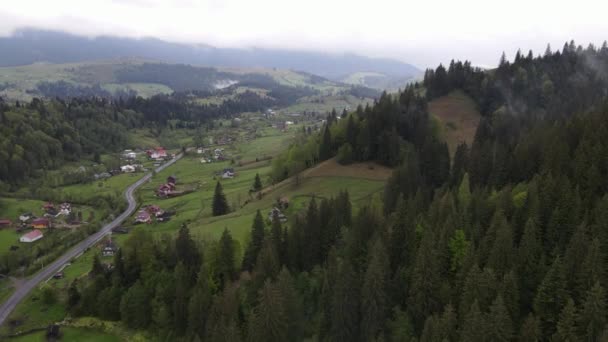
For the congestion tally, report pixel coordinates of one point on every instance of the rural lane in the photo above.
(27, 286)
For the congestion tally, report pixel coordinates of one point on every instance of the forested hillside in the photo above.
(505, 242)
(42, 135)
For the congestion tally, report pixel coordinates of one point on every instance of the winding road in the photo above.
(21, 292)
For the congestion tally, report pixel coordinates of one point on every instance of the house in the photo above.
(157, 153)
(154, 210)
(128, 154)
(41, 223)
(5, 223)
(276, 213)
(65, 209)
(31, 236)
(109, 248)
(164, 216)
(171, 180)
(143, 217)
(127, 168)
(26, 217)
(48, 206)
(102, 175)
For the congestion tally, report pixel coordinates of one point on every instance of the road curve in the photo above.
(23, 290)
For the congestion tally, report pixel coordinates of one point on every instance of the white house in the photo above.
(32, 236)
(127, 168)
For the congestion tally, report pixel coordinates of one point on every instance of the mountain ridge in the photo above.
(27, 46)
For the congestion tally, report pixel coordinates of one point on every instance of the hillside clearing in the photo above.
(459, 117)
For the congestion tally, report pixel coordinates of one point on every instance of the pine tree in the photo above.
(97, 268)
(374, 297)
(474, 327)
(530, 330)
(550, 297)
(73, 296)
(181, 298)
(501, 253)
(593, 316)
(293, 305)
(186, 252)
(257, 183)
(200, 303)
(225, 262)
(255, 242)
(325, 150)
(566, 326)
(134, 307)
(220, 204)
(500, 326)
(528, 260)
(268, 321)
(276, 234)
(312, 236)
(345, 305)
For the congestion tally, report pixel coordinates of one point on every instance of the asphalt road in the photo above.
(21, 292)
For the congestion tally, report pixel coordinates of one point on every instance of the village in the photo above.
(62, 216)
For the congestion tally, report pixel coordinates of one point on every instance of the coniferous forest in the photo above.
(506, 240)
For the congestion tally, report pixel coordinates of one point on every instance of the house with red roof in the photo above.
(157, 153)
(5, 223)
(32, 236)
(41, 223)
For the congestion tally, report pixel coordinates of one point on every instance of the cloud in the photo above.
(422, 32)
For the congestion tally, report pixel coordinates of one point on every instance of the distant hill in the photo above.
(29, 46)
(128, 77)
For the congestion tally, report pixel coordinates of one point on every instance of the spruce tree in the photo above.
(528, 260)
(345, 305)
(134, 307)
(186, 252)
(220, 204)
(226, 259)
(276, 234)
(474, 327)
(181, 298)
(325, 150)
(530, 330)
(566, 326)
(97, 268)
(593, 316)
(200, 303)
(374, 297)
(500, 325)
(269, 322)
(550, 297)
(255, 243)
(257, 183)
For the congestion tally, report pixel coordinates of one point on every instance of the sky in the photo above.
(421, 32)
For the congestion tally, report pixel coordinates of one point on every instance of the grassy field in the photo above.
(69, 334)
(458, 116)
(324, 104)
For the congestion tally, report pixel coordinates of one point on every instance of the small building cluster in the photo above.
(51, 210)
(150, 212)
(109, 248)
(275, 213)
(167, 189)
(228, 173)
(212, 155)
